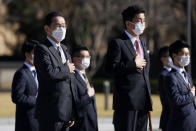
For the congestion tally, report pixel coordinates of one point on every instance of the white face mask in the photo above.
(85, 63)
(59, 33)
(184, 60)
(170, 62)
(139, 28)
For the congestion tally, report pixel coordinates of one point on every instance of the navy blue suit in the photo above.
(182, 104)
(86, 108)
(164, 99)
(24, 90)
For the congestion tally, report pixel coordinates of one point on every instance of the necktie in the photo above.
(185, 76)
(35, 77)
(138, 48)
(61, 53)
(86, 81)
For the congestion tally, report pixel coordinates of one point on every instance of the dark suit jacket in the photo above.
(56, 94)
(24, 90)
(86, 108)
(164, 99)
(132, 87)
(182, 104)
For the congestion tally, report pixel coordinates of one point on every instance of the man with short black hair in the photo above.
(127, 60)
(180, 90)
(55, 108)
(25, 89)
(85, 103)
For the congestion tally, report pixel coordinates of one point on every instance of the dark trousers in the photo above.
(53, 126)
(130, 120)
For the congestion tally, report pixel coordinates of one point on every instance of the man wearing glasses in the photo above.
(55, 106)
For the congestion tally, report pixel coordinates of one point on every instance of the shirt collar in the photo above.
(132, 38)
(30, 67)
(180, 70)
(79, 71)
(167, 68)
(53, 42)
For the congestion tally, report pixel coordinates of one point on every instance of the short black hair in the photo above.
(129, 13)
(164, 52)
(77, 49)
(28, 46)
(49, 17)
(177, 46)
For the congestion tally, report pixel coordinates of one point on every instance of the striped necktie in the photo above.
(62, 54)
(86, 81)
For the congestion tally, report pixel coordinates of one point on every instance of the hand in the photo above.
(36, 95)
(192, 89)
(91, 92)
(71, 123)
(71, 67)
(140, 62)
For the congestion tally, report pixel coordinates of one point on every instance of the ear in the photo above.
(127, 23)
(46, 28)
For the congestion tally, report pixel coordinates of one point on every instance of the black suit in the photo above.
(164, 100)
(24, 90)
(86, 108)
(55, 101)
(182, 116)
(131, 85)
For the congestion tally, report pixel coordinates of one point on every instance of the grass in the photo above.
(7, 108)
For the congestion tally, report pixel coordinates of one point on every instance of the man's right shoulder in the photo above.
(42, 45)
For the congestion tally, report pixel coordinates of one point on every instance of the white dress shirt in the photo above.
(133, 39)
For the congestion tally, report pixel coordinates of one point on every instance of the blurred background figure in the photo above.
(25, 89)
(167, 64)
(180, 90)
(86, 105)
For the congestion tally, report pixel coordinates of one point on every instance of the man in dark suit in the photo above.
(24, 91)
(55, 106)
(167, 64)
(127, 60)
(180, 90)
(86, 105)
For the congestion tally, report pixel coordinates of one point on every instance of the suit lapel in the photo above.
(30, 75)
(53, 50)
(143, 48)
(66, 52)
(79, 78)
(129, 44)
(180, 78)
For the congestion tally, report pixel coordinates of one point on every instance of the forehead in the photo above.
(184, 50)
(58, 20)
(84, 52)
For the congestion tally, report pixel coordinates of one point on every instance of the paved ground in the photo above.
(105, 124)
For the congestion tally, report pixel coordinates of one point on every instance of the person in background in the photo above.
(55, 107)
(180, 90)
(25, 89)
(127, 61)
(86, 105)
(167, 65)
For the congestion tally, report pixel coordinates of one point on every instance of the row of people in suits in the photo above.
(177, 92)
(64, 91)
(50, 92)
